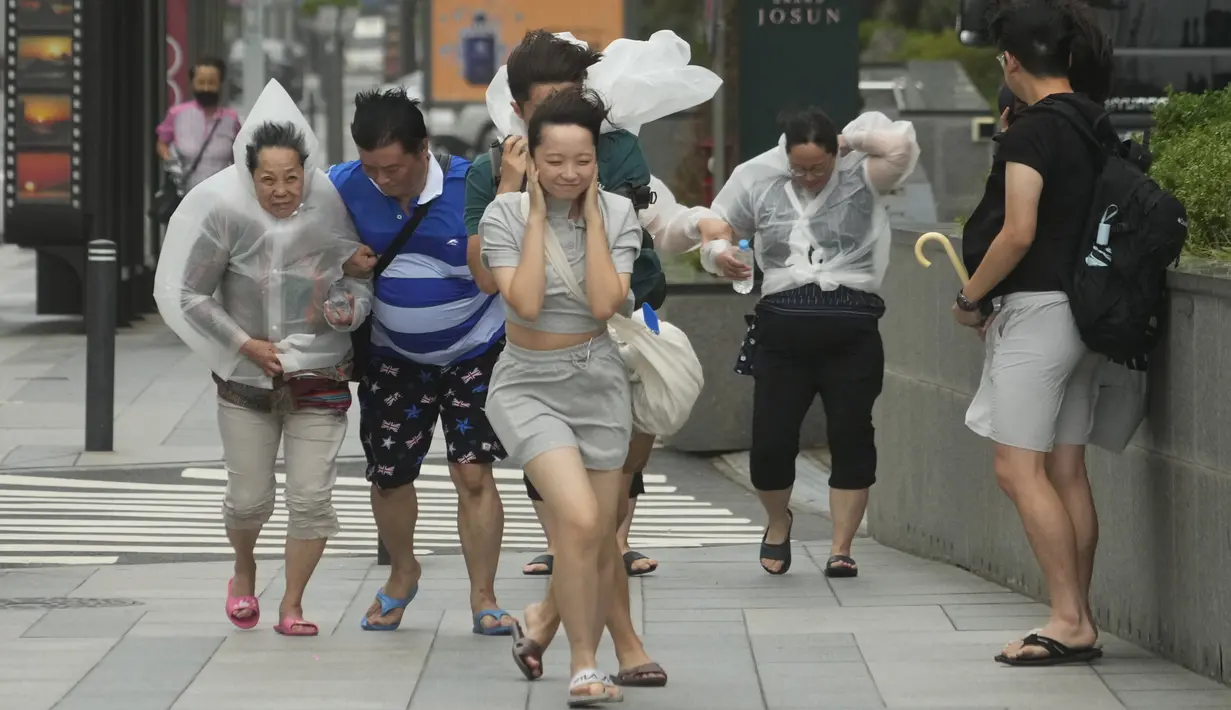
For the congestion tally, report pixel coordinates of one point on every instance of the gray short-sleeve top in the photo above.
(503, 227)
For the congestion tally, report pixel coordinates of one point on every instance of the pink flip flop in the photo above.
(296, 626)
(236, 604)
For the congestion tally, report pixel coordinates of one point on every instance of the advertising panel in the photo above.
(471, 39)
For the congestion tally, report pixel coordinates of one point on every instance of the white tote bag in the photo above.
(663, 368)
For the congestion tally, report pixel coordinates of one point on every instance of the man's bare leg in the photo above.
(480, 525)
(1022, 475)
(396, 511)
(1066, 469)
(540, 510)
(640, 447)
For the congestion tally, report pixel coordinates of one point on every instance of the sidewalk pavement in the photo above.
(907, 633)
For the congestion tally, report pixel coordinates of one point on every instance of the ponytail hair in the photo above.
(1057, 38)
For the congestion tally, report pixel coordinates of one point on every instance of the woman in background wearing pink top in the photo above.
(200, 127)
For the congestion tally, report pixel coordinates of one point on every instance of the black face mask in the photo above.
(208, 99)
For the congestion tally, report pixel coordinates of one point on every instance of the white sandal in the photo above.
(590, 676)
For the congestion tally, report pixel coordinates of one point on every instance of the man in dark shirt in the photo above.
(1036, 398)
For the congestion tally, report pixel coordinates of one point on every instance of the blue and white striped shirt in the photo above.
(428, 308)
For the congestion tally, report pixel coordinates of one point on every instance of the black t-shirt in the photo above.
(1044, 140)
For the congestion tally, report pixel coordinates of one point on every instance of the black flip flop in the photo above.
(547, 561)
(836, 570)
(780, 552)
(632, 556)
(1057, 653)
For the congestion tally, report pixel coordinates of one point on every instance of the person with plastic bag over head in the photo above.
(642, 81)
(261, 276)
(812, 207)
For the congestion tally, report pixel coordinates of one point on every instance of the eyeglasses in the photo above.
(818, 171)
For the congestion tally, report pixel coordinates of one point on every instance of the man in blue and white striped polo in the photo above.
(434, 339)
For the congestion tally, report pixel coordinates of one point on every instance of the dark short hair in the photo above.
(569, 107)
(808, 125)
(543, 58)
(1057, 38)
(214, 62)
(275, 135)
(383, 118)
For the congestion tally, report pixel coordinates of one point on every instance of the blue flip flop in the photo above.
(388, 604)
(496, 630)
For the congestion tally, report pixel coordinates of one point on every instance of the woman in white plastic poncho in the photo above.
(253, 277)
(812, 206)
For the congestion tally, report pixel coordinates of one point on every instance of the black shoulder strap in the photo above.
(1083, 126)
(208, 136)
(395, 247)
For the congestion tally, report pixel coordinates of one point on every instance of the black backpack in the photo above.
(1118, 290)
(649, 283)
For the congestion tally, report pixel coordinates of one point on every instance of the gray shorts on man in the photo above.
(1038, 388)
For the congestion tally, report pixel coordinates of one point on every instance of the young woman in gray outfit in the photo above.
(560, 398)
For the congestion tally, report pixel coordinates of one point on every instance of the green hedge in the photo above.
(1191, 143)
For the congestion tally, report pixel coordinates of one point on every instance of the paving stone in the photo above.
(987, 683)
(85, 623)
(141, 673)
(847, 620)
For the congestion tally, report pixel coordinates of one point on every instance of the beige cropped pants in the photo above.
(250, 441)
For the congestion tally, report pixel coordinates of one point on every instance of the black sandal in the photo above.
(836, 570)
(1057, 653)
(633, 556)
(547, 561)
(780, 552)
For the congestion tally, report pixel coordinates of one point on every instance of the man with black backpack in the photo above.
(1022, 246)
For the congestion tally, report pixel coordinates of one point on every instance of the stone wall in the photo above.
(1163, 572)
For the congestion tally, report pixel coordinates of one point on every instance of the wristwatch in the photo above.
(965, 304)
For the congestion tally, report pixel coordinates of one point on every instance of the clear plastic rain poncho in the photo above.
(230, 271)
(641, 81)
(838, 237)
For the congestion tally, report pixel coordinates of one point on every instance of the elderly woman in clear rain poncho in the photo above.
(812, 207)
(262, 275)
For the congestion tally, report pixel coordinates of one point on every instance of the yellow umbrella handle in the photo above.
(953, 257)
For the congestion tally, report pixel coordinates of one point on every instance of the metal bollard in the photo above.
(102, 273)
(382, 554)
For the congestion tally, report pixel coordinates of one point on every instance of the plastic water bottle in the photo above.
(745, 256)
(1100, 255)
(338, 305)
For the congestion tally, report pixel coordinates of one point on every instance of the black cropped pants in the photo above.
(797, 358)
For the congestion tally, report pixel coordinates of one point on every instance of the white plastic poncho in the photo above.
(230, 271)
(641, 81)
(838, 237)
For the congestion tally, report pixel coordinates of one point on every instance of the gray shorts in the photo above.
(1038, 387)
(578, 397)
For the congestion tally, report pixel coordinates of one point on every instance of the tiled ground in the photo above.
(907, 634)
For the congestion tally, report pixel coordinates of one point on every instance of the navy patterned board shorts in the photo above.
(400, 402)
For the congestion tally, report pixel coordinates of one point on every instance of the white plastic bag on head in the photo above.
(230, 271)
(839, 237)
(640, 81)
(663, 369)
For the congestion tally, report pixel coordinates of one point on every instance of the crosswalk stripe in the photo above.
(88, 521)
